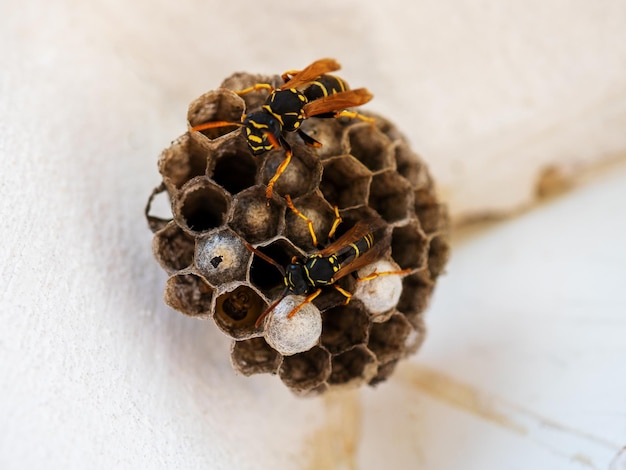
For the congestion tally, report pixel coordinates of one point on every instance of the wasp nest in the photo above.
(217, 190)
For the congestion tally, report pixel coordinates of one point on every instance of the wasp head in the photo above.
(262, 132)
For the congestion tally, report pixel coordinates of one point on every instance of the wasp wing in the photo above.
(359, 230)
(337, 102)
(370, 256)
(311, 72)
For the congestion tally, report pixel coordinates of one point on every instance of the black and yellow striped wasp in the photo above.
(306, 93)
(350, 252)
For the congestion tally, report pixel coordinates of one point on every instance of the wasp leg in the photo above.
(354, 115)
(375, 274)
(214, 125)
(344, 292)
(307, 300)
(308, 140)
(280, 170)
(337, 221)
(303, 217)
(256, 87)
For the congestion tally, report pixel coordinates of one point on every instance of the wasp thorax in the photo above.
(337, 311)
(287, 105)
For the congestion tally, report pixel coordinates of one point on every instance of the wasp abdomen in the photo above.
(356, 248)
(324, 86)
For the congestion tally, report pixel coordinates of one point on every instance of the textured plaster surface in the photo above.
(96, 372)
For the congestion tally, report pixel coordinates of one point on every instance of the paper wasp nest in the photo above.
(217, 193)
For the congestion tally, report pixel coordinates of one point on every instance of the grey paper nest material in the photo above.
(217, 193)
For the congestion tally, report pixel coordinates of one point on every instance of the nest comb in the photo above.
(217, 192)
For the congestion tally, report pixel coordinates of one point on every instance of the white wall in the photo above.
(95, 370)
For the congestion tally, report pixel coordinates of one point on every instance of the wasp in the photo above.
(351, 251)
(306, 93)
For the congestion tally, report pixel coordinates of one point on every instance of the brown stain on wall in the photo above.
(334, 446)
(490, 408)
(552, 181)
(457, 394)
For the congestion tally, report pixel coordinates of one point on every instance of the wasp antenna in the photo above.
(266, 258)
(259, 320)
(215, 125)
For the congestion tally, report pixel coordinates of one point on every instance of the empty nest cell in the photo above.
(201, 206)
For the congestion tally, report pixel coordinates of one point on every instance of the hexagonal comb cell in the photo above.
(391, 196)
(437, 256)
(190, 294)
(356, 365)
(237, 311)
(232, 166)
(201, 206)
(216, 189)
(253, 218)
(319, 212)
(301, 176)
(345, 182)
(265, 276)
(387, 339)
(173, 248)
(185, 159)
(344, 327)
(329, 133)
(411, 167)
(218, 105)
(254, 356)
(306, 371)
(370, 146)
(409, 246)
(415, 296)
(222, 257)
(384, 372)
(254, 100)
(430, 213)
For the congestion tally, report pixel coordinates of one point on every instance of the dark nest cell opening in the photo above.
(203, 207)
(235, 169)
(267, 277)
